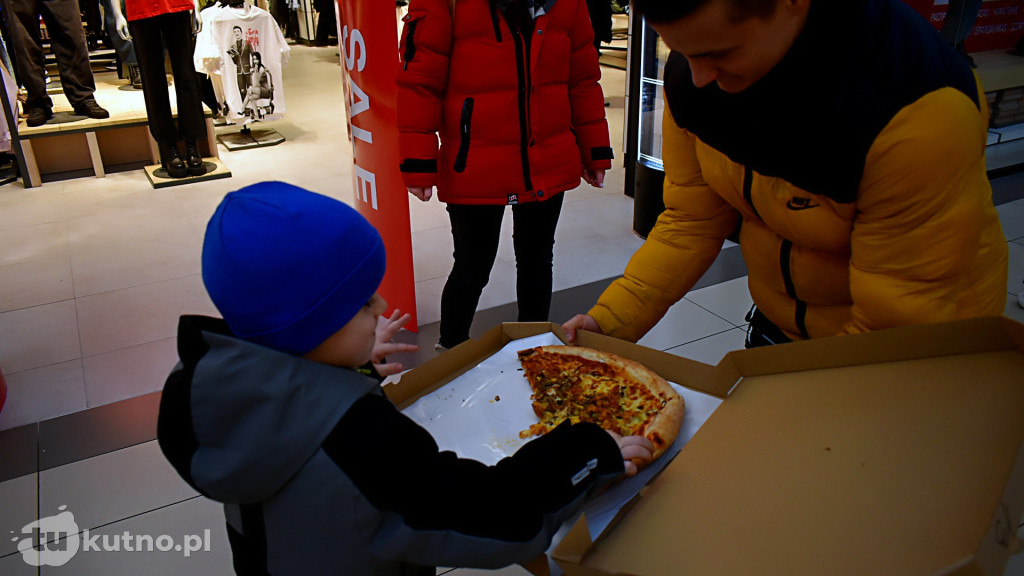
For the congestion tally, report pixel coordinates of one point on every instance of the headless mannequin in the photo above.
(152, 34)
(67, 42)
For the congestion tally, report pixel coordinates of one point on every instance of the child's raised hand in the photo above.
(637, 451)
(387, 327)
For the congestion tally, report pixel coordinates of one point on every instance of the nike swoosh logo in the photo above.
(801, 204)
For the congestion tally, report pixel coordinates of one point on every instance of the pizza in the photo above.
(586, 385)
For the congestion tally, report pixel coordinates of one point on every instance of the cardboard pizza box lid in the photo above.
(894, 452)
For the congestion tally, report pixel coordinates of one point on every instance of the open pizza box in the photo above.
(894, 452)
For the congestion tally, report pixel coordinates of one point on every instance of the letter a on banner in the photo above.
(368, 40)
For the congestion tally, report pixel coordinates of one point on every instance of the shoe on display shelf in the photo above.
(135, 76)
(172, 162)
(38, 115)
(194, 160)
(91, 109)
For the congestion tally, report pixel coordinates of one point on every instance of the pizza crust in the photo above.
(664, 427)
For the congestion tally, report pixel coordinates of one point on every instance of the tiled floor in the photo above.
(94, 272)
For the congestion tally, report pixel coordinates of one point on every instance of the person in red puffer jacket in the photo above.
(510, 88)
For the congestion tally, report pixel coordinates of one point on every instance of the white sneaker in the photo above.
(1020, 299)
(438, 348)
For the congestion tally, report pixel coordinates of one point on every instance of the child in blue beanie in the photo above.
(318, 472)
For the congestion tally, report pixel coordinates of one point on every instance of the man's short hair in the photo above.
(662, 11)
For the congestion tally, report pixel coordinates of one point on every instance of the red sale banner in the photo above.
(368, 38)
(999, 25)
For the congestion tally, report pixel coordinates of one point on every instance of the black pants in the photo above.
(67, 41)
(150, 35)
(762, 331)
(326, 26)
(476, 231)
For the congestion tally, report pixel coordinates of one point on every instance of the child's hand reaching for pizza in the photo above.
(637, 452)
(387, 327)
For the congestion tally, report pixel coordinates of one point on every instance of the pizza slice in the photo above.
(586, 385)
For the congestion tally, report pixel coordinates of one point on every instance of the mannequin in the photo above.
(67, 41)
(124, 48)
(154, 24)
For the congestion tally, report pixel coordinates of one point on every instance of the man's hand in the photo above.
(580, 322)
(637, 452)
(422, 193)
(386, 330)
(594, 177)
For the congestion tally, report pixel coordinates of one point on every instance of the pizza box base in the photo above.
(894, 452)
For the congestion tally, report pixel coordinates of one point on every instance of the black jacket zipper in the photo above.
(495, 22)
(522, 72)
(410, 44)
(464, 133)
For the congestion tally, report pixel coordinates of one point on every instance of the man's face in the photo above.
(238, 34)
(735, 55)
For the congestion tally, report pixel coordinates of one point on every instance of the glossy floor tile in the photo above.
(113, 486)
(188, 537)
(18, 498)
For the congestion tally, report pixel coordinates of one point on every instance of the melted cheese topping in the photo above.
(567, 387)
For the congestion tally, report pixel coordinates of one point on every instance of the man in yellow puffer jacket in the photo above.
(847, 141)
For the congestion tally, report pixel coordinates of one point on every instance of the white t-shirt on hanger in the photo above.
(244, 48)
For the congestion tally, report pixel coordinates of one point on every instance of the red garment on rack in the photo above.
(139, 9)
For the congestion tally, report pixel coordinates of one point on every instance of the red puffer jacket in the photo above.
(519, 112)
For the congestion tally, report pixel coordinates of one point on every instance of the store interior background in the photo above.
(94, 273)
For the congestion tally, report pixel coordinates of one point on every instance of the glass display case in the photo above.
(644, 168)
(652, 98)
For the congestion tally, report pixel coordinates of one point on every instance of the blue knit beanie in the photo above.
(288, 268)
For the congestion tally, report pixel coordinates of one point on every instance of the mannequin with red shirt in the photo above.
(154, 25)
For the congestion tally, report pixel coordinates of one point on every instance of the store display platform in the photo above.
(215, 169)
(69, 142)
(248, 138)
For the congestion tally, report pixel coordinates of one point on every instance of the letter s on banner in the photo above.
(369, 45)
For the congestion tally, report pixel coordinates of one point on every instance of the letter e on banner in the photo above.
(369, 62)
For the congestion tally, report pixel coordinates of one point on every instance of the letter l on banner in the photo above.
(368, 40)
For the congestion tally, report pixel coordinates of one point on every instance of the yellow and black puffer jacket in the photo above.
(856, 169)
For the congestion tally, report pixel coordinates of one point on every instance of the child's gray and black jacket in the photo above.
(321, 474)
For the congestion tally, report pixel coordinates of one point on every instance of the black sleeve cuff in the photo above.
(419, 166)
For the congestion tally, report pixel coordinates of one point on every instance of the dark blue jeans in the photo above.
(476, 230)
(124, 48)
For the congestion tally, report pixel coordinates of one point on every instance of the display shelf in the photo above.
(69, 143)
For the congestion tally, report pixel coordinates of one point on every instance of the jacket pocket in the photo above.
(408, 50)
(465, 121)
